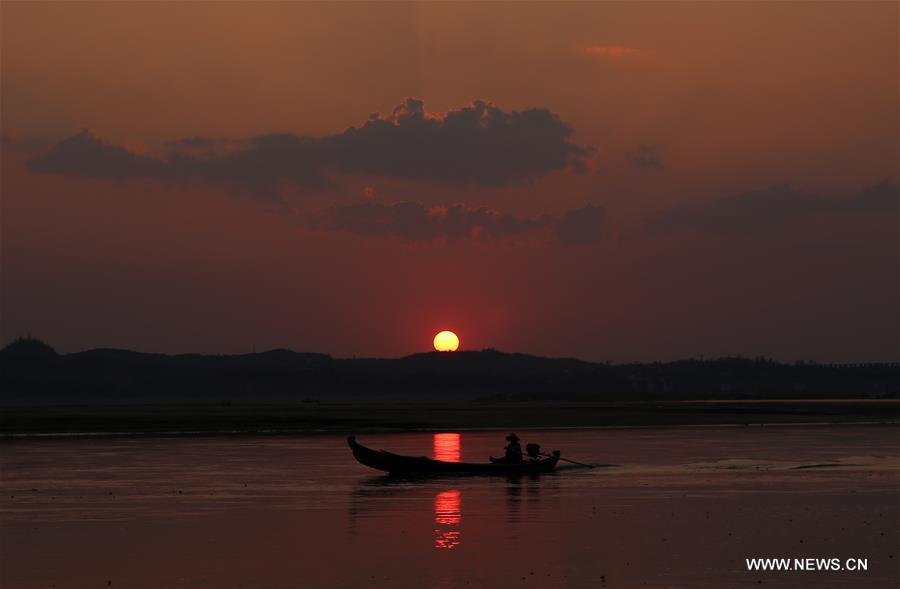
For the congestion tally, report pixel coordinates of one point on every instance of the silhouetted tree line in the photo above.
(31, 371)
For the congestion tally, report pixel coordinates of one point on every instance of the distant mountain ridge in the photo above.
(31, 371)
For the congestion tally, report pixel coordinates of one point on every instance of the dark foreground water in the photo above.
(685, 508)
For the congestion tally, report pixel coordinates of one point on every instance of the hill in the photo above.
(32, 373)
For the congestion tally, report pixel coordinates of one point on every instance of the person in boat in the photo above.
(513, 449)
(533, 451)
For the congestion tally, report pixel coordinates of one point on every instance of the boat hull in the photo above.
(398, 464)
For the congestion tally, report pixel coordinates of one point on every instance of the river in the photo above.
(682, 507)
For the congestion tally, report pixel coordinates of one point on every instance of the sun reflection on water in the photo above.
(447, 447)
(447, 516)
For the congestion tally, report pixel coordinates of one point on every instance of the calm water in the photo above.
(684, 508)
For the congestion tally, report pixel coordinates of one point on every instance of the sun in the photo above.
(446, 341)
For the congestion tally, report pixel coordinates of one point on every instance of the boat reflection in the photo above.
(532, 485)
(447, 517)
(421, 500)
(446, 447)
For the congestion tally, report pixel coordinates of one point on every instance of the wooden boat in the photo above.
(397, 464)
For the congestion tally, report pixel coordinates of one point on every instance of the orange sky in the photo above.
(683, 105)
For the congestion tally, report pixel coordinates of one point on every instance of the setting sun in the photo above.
(446, 341)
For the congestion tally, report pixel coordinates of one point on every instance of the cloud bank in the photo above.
(478, 144)
(777, 207)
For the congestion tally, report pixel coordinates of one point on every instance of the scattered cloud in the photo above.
(418, 223)
(415, 222)
(581, 226)
(777, 207)
(478, 144)
(647, 157)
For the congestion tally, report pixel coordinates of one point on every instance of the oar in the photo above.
(572, 461)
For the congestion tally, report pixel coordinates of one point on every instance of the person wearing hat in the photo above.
(513, 449)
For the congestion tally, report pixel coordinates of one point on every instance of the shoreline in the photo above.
(48, 436)
(102, 421)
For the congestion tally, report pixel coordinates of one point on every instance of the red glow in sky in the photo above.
(611, 183)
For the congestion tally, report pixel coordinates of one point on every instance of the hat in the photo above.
(512, 438)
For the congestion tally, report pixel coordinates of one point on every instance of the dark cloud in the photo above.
(195, 142)
(477, 144)
(580, 226)
(259, 164)
(775, 208)
(412, 221)
(87, 155)
(647, 157)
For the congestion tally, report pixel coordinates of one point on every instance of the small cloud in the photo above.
(581, 226)
(647, 157)
(86, 154)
